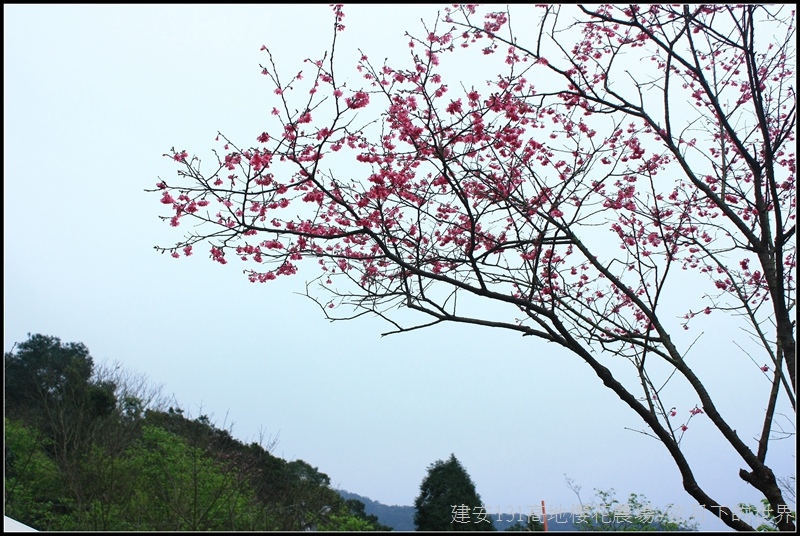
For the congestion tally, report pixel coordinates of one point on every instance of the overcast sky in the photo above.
(93, 96)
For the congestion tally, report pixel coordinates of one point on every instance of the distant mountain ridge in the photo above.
(400, 518)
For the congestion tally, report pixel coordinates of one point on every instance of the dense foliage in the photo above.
(636, 514)
(86, 449)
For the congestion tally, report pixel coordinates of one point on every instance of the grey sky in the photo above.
(93, 96)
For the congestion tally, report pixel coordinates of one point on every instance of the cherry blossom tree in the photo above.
(620, 158)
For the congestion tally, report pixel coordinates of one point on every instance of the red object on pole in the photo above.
(544, 517)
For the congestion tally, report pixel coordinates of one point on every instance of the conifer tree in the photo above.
(448, 500)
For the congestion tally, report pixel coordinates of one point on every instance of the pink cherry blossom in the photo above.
(599, 211)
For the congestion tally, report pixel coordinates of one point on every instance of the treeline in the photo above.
(96, 448)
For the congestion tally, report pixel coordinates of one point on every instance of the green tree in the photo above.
(49, 385)
(49, 379)
(105, 486)
(349, 515)
(32, 483)
(358, 509)
(448, 500)
(180, 487)
(344, 522)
